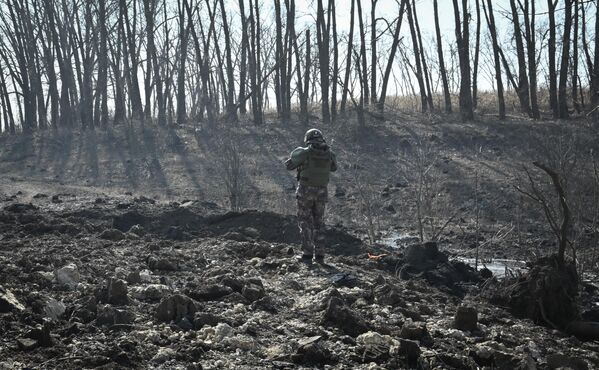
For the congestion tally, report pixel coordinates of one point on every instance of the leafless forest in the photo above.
(148, 220)
(97, 63)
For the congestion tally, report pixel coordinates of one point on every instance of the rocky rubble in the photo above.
(214, 300)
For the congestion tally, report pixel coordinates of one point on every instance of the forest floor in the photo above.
(117, 250)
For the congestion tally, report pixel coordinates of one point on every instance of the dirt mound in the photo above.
(545, 294)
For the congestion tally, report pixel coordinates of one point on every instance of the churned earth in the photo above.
(107, 281)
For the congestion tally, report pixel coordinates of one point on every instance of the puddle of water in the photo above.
(497, 266)
(397, 239)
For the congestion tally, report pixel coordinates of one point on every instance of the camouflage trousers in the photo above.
(311, 204)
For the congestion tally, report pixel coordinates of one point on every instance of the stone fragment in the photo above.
(152, 292)
(202, 319)
(466, 318)
(313, 353)
(252, 292)
(54, 309)
(344, 318)
(161, 264)
(409, 349)
(108, 315)
(112, 235)
(27, 344)
(174, 308)
(68, 276)
(373, 346)
(117, 292)
(8, 302)
(210, 292)
(559, 361)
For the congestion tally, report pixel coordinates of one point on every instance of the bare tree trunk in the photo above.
(419, 77)
(523, 89)
(373, 56)
(493, 30)
(595, 69)
(529, 29)
(364, 69)
(183, 39)
(153, 68)
(575, 59)
(476, 58)
(442, 70)
(279, 59)
(322, 39)
(551, 4)
(350, 43)
(463, 41)
(306, 88)
(383, 97)
(425, 74)
(103, 65)
(231, 108)
(335, 76)
(563, 73)
(243, 63)
(254, 66)
(131, 53)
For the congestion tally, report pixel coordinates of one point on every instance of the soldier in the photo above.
(314, 163)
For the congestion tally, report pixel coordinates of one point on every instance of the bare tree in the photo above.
(551, 4)
(493, 31)
(442, 69)
(563, 72)
(463, 40)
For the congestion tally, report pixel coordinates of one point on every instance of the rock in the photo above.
(388, 295)
(56, 199)
(185, 324)
(41, 334)
(252, 292)
(202, 319)
(27, 344)
(161, 264)
(375, 347)
(558, 361)
(68, 276)
(243, 343)
(8, 302)
(344, 318)
(163, 355)
(414, 331)
(340, 192)
(108, 315)
(210, 292)
(152, 292)
(312, 353)
(133, 277)
(112, 234)
(466, 318)
(409, 349)
(222, 331)
(117, 292)
(138, 230)
(174, 308)
(54, 309)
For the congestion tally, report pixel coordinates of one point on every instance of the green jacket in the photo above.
(314, 163)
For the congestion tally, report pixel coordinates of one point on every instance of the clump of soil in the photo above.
(546, 294)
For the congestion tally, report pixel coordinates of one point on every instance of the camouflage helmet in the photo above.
(313, 136)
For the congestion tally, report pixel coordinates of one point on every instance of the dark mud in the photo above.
(113, 283)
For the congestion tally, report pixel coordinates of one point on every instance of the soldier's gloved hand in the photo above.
(289, 165)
